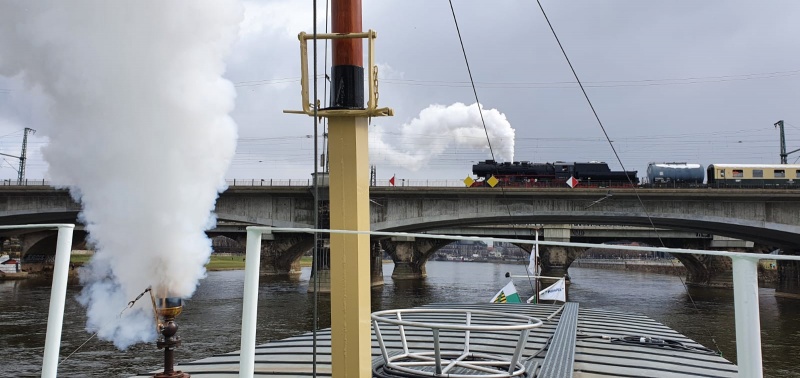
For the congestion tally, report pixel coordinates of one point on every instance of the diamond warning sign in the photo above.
(492, 181)
(572, 182)
(469, 181)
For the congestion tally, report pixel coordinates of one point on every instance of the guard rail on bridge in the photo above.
(432, 183)
(270, 182)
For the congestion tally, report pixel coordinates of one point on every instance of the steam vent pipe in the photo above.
(347, 70)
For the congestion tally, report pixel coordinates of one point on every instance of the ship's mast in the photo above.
(349, 181)
(348, 156)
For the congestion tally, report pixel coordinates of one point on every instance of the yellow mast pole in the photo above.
(349, 200)
(348, 154)
(350, 262)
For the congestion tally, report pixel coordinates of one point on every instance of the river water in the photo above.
(211, 320)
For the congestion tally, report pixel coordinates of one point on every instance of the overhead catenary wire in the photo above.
(557, 84)
(291, 151)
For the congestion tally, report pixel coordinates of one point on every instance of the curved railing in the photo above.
(463, 364)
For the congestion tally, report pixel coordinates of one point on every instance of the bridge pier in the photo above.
(555, 260)
(322, 268)
(410, 255)
(281, 252)
(38, 249)
(713, 271)
(708, 271)
(376, 262)
(789, 276)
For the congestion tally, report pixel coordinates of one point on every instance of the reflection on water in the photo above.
(211, 320)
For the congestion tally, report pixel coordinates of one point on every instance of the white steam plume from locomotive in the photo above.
(139, 131)
(438, 128)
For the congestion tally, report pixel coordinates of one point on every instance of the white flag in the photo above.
(532, 268)
(555, 292)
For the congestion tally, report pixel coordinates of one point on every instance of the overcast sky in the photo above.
(686, 81)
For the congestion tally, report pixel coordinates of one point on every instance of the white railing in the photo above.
(58, 293)
(745, 288)
(419, 363)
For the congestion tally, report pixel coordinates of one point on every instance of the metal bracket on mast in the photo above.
(372, 109)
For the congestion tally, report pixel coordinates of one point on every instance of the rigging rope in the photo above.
(129, 305)
(486, 131)
(611, 144)
(655, 342)
(315, 262)
(315, 259)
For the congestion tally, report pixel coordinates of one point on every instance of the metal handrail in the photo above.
(532, 322)
(745, 287)
(58, 293)
(372, 109)
(487, 366)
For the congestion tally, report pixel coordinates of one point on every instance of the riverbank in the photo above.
(767, 272)
(648, 266)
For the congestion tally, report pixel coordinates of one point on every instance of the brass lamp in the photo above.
(166, 309)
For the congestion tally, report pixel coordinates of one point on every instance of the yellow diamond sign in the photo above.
(469, 181)
(492, 181)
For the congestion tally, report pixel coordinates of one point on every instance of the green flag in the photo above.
(508, 294)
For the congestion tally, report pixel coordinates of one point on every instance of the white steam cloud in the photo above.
(139, 132)
(439, 128)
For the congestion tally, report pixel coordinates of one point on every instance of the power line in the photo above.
(556, 84)
(594, 84)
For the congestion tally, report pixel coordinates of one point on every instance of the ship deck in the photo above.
(576, 342)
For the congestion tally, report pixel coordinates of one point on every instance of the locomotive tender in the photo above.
(598, 174)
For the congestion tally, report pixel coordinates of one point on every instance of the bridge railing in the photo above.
(434, 183)
(309, 182)
(26, 182)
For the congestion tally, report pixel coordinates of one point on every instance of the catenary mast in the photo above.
(23, 156)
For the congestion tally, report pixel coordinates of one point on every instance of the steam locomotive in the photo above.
(525, 173)
(598, 174)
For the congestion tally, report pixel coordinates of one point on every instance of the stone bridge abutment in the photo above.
(410, 255)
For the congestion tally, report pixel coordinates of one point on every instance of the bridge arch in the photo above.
(261, 220)
(762, 232)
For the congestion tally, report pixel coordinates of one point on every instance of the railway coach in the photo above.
(753, 175)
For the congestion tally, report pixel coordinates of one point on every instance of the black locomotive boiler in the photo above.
(559, 173)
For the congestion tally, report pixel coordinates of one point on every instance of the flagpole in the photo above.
(535, 253)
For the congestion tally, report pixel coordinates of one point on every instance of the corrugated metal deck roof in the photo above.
(598, 347)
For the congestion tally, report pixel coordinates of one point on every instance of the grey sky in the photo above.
(672, 81)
